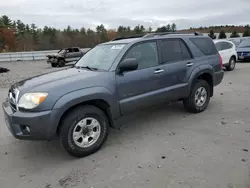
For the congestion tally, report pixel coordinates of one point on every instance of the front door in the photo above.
(142, 87)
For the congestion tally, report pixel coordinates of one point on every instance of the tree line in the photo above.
(18, 36)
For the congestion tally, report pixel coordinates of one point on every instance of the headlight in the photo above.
(31, 100)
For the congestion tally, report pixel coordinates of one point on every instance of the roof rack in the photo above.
(171, 33)
(149, 35)
(127, 37)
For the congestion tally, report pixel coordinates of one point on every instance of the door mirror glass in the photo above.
(128, 65)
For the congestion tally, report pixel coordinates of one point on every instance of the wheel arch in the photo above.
(204, 74)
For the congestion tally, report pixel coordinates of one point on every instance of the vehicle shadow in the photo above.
(153, 120)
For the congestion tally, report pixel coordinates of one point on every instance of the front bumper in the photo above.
(243, 57)
(41, 124)
(218, 77)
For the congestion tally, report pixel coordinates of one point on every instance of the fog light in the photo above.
(25, 129)
(28, 129)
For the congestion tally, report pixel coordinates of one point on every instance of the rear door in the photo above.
(69, 55)
(178, 65)
(228, 50)
(222, 53)
(76, 54)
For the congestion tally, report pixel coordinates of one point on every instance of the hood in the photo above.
(61, 77)
(247, 49)
(55, 55)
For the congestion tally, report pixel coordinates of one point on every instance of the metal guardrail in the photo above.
(29, 56)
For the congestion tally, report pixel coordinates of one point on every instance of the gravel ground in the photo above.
(162, 147)
(23, 70)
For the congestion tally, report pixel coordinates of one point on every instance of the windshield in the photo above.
(100, 57)
(245, 44)
(61, 51)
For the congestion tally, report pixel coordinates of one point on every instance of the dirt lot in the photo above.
(162, 147)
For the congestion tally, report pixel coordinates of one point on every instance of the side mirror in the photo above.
(128, 65)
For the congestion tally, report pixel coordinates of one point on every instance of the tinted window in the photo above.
(173, 50)
(206, 45)
(226, 45)
(145, 53)
(218, 46)
(76, 49)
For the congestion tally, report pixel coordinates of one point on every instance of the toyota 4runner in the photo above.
(113, 79)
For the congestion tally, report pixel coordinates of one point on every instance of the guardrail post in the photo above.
(10, 57)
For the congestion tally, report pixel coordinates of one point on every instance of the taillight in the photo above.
(221, 64)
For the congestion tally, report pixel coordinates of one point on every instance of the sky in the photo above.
(112, 13)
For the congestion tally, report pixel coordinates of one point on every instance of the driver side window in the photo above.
(145, 53)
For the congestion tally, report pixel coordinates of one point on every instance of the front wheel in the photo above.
(84, 131)
(199, 97)
(53, 65)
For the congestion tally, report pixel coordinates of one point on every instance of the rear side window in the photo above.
(205, 45)
(173, 50)
(75, 49)
(226, 45)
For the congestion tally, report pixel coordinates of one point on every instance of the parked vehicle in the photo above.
(112, 80)
(64, 56)
(243, 50)
(238, 40)
(228, 53)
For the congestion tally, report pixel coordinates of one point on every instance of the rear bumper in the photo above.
(42, 125)
(218, 77)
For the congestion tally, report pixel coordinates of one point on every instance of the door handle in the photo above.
(158, 71)
(189, 64)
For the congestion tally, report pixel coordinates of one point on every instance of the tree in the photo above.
(139, 29)
(246, 33)
(111, 34)
(168, 28)
(212, 35)
(173, 27)
(222, 35)
(150, 29)
(234, 34)
(161, 29)
(6, 21)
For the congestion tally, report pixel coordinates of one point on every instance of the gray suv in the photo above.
(113, 79)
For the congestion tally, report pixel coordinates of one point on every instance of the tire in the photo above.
(231, 65)
(70, 125)
(190, 103)
(61, 63)
(53, 65)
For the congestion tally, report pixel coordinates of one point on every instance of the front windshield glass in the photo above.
(61, 51)
(100, 57)
(245, 44)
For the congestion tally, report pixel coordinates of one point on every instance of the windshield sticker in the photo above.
(117, 47)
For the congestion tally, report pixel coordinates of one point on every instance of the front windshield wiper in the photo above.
(86, 67)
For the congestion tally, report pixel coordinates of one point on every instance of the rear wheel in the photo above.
(84, 130)
(61, 63)
(231, 64)
(199, 97)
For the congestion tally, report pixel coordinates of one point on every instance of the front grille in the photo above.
(13, 96)
(243, 53)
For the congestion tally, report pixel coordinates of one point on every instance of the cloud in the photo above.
(112, 13)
